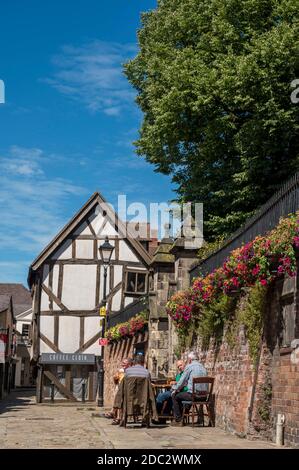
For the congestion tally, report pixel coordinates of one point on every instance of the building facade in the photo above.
(67, 282)
(22, 306)
(7, 345)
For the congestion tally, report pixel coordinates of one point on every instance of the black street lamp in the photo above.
(106, 250)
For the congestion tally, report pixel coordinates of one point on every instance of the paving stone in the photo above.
(27, 425)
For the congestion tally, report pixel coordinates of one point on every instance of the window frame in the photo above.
(27, 325)
(135, 293)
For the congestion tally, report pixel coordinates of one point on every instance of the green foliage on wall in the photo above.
(252, 317)
(213, 318)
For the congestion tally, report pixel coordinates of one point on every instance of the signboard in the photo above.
(103, 312)
(67, 358)
(3, 342)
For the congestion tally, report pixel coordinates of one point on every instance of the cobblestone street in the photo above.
(24, 424)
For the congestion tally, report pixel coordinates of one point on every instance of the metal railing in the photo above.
(282, 203)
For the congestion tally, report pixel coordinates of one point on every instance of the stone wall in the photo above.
(114, 354)
(159, 322)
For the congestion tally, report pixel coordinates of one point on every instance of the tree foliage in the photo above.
(214, 82)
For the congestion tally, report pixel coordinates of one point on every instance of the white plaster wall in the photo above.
(44, 348)
(47, 327)
(109, 230)
(116, 301)
(128, 300)
(83, 229)
(55, 306)
(94, 349)
(97, 223)
(45, 279)
(118, 273)
(64, 251)
(55, 278)
(79, 284)
(125, 252)
(45, 301)
(92, 325)
(84, 249)
(69, 334)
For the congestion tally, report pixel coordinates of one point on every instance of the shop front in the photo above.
(67, 376)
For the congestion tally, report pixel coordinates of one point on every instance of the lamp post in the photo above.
(106, 250)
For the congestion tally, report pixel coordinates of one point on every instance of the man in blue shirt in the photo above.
(193, 369)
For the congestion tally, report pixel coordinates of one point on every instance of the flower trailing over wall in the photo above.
(179, 308)
(127, 329)
(257, 263)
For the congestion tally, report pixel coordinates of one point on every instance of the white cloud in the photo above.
(132, 162)
(14, 271)
(22, 161)
(32, 204)
(92, 74)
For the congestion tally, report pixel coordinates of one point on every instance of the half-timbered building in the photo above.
(23, 373)
(67, 282)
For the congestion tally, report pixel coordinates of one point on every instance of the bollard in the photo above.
(52, 391)
(83, 391)
(280, 429)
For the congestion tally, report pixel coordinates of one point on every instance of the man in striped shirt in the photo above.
(138, 369)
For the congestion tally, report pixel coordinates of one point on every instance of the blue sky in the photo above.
(67, 126)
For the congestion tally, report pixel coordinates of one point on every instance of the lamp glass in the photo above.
(106, 250)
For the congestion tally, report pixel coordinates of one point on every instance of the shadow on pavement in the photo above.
(16, 400)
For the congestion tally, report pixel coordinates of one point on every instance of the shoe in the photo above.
(177, 422)
(116, 422)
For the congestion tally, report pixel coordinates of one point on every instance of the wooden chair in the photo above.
(198, 401)
(138, 400)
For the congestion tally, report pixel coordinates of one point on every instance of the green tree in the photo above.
(214, 82)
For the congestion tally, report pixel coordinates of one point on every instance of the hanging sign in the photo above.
(103, 311)
(67, 358)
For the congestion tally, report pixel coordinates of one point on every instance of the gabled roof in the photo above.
(5, 302)
(23, 314)
(92, 202)
(20, 295)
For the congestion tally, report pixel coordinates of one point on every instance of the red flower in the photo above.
(103, 341)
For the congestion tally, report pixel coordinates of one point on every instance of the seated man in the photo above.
(193, 369)
(164, 400)
(115, 413)
(138, 369)
(144, 399)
